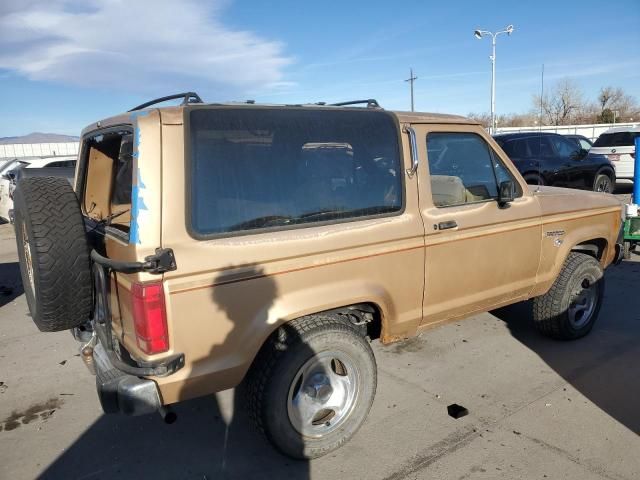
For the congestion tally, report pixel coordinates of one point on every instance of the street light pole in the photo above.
(479, 34)
(493, 84)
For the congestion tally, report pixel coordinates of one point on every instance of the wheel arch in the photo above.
(609, 171)
(596, 247)
(588, 239)
(354, 302)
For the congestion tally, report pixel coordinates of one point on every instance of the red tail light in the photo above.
(150, 317)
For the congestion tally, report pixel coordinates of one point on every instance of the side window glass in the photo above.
(461, 169)
(564, 147)
(520, 149)
(279, 168)
(539, 147)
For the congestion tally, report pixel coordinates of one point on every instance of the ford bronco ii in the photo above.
(207, 244)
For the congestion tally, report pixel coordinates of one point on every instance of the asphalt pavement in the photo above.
(538, 408)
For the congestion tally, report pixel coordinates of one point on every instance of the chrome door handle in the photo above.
(447, 225)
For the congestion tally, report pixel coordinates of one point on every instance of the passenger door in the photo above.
(549, 164)
(576, 170)
(478, 255)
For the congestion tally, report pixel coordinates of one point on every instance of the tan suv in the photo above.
(207, 244)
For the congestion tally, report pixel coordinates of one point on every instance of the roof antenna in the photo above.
(540, 130)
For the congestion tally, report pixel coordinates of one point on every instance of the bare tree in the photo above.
(615, 104)
(561, 105)
(483, 118)
(564, 104)
(504, 120)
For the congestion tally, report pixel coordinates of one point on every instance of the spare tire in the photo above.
(53, 253)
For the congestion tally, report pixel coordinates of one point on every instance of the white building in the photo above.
(22, 150)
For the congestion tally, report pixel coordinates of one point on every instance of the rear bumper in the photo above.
(123, 393)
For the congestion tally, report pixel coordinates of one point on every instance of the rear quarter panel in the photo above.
(229, 294)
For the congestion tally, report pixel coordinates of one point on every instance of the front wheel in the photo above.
(570, 308)
(603, 183)
(312, 385)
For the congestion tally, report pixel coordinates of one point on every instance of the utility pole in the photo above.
(412, 78)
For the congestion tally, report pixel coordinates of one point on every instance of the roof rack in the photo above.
(187, 98)
(371, 103)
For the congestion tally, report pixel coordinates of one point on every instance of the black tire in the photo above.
(533, 179)
(603, 183)
(270, 384)
(555, 313)
(58, 285)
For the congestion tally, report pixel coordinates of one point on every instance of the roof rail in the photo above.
(371, 103)
(187, 98)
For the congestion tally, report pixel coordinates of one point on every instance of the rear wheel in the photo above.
(570, 308)
(312, 385)
(603, 183)
(53, 253)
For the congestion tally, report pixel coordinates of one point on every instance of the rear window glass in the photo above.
(618, 139)
(269, 168)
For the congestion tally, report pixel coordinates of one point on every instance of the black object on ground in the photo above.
(457, 411)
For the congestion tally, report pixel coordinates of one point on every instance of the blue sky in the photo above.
(66, 63)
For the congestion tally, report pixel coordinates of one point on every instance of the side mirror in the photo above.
(506, 193)
(10, 175)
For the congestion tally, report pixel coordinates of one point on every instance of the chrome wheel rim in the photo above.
(603, 185)
(323, 393)
(27, 256)
(583, 303)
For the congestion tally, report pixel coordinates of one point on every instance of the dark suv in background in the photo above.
(552, 159)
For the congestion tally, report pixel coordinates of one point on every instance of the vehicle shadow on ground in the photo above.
(10, 282)
(199, 445)
(603, 365)
(213, 438)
